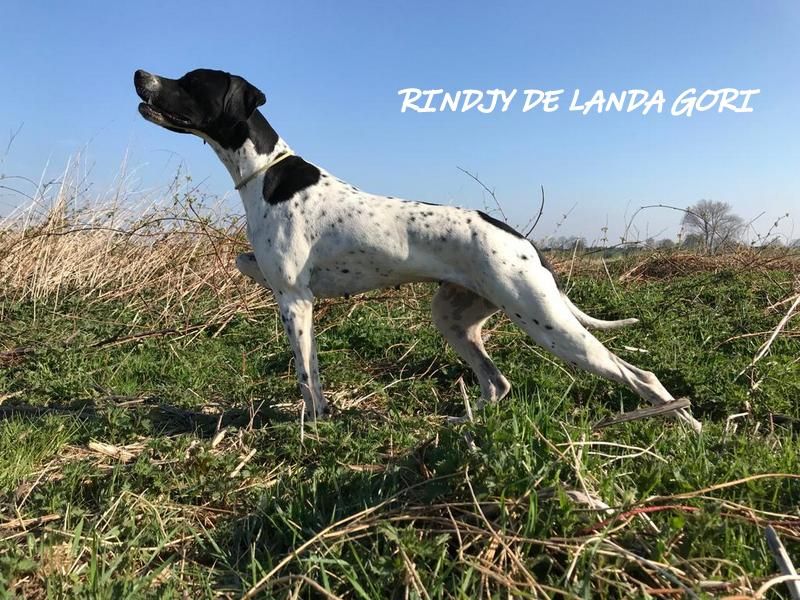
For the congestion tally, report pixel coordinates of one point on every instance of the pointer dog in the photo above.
(314, 235)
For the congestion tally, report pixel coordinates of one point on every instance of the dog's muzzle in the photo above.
(148, 87)
(146, 84)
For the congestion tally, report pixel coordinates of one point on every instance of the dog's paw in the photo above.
(320, 414)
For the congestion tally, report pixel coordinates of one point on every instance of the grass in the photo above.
(150, 444)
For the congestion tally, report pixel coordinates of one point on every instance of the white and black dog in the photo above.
(314, 235)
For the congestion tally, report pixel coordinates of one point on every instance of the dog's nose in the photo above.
(146, 84)
(141, 77)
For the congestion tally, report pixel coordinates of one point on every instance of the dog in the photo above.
(316, 236)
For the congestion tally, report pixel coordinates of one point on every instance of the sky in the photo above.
(331, 72)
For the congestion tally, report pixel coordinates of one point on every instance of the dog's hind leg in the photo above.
(553, 326)
(643, 383)
(459, 314)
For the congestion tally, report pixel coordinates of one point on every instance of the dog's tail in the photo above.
(593, 323)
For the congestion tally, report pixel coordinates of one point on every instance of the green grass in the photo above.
(385, 499)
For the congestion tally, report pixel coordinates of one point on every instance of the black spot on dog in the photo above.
(549, 327)
(288, 177)
(536, 321)
(304, 377)
(500, 224)
(345, 270)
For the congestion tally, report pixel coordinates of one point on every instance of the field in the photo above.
(150, 441)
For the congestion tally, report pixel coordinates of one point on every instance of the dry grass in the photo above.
(163, 259)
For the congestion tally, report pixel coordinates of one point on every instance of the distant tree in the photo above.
(714, 223)
(692, 241)
(665, 244)
(575, 243)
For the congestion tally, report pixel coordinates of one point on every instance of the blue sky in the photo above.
(331, 72)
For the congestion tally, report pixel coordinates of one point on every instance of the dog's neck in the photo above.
(261, 146)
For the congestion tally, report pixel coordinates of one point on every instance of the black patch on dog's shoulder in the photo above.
(288, 177)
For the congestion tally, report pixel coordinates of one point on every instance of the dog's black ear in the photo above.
(243, 99)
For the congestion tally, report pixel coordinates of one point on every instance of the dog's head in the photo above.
(212, 104)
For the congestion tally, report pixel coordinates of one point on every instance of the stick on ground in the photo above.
(643, 413)
(783, 560)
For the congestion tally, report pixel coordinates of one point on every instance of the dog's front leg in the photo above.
(297, 312)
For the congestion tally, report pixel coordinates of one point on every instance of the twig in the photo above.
(784, 562)
(243, 462)
(773, 582)
(120, 453)
(490, 192)
(539, 216)
(27, 523)
(465, 396)
(765, 348)
(635, 512)
(309, 582)
(642, 413)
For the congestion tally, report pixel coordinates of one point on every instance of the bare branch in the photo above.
(486, 188)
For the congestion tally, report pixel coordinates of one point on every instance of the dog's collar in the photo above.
(264, 168)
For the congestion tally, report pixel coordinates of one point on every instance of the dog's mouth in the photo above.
(162, 117)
